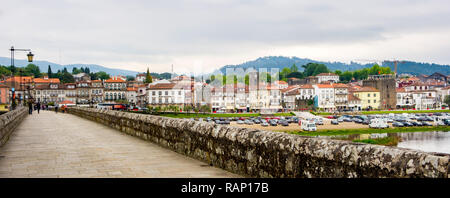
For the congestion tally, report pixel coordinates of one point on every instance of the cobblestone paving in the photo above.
(63, 145)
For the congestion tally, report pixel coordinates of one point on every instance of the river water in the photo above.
(425, 141)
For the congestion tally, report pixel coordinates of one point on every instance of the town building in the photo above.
(370, 97)
(327, 77)
(97, 91)
(386, 85)
(70, 92)
(165, 94)
(49, 93)
(341, 96)
(115, 89)
(324, 98)
(354, 103)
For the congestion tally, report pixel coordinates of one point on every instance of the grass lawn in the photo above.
(386, 141)
(201, 115)
(368, 131)
(408, 111)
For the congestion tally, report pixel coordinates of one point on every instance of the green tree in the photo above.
(295, 75)
(49, 72)
(67, 78)
(312, 69)
(130, 78)
(284, 73)
(212, 78)
(102, 75)
(247, 79)
(447, 100)
(148, 77)
(294, 68)
(34, 70)
(346, 76)
(4, 71)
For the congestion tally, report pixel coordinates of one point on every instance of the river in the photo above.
(438, 141)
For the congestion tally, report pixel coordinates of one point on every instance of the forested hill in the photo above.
(282, 62)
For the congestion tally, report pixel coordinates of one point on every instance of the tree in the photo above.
(102, 75)
(32, 69)
(212, 78)
(294, 68)
(283, 74)
(346, 76)
(447, 100)
(312, 69)
(148, 77)
(4, 71)
(67, 78)
(295, 75)
(130, 78)
(49, 72)
(205, 109)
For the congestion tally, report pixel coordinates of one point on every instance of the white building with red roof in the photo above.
(328, 77)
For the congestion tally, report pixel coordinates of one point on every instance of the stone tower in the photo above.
(387, 86)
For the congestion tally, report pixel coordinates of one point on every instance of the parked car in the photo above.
(273, 123)
(283, 123)
(240, 122)
(334, 122)
(378, 124)
(426, 124)
(264, 124)
(407, 124)
(308, 126)
(397, 124)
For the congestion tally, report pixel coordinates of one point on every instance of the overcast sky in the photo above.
(207, 34)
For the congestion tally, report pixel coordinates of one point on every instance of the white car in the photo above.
(308, 126)
(378, 124)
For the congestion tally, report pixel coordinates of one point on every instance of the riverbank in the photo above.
(212, 115)
(367, 131)
(386, 112)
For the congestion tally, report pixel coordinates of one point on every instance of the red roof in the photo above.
(325, 85)
(327, 74)
(366, 89)
(115, 80)
(66, 102)
(48, 80)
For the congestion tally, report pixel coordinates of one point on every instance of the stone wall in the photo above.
(9, 121)
(256, 153)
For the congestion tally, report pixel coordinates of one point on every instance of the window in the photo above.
(374, 95)
(368, 95)
(368, 101)
(374, 101)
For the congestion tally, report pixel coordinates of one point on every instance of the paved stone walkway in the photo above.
(64, 145)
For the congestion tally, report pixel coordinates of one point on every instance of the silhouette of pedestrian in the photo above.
(38, 106)
(30, 107)
(56, 109)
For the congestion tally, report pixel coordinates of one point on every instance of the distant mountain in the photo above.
(282, 62)
(43, 66)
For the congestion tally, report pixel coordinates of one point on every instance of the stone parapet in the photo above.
(9, 121)
(256, 153)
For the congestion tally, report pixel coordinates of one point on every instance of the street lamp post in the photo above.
(30, 59)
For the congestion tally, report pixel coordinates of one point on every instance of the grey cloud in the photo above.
(159, 31)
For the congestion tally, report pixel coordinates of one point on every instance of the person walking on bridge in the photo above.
(30, 107)
(38, 106)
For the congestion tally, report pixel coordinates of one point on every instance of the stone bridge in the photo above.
(64, 145)
(89, 143)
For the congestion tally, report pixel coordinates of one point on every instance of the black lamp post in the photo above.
(30, 59)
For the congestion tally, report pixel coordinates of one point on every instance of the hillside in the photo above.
(43, 66)
(282, 61)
